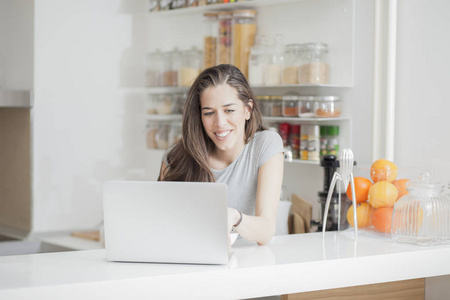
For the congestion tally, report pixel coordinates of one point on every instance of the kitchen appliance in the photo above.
(334, 205)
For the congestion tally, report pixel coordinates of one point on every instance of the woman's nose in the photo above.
(220, 119)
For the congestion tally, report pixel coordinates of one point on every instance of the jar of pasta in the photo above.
(315, 68)
(211, 22)
(244, 30)
(191, 66)
(224, 44)
(293, 54)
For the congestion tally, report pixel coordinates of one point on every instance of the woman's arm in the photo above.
(261, 227)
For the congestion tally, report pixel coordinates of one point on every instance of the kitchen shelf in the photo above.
(15, 99)
(223, 6)
(164, 118)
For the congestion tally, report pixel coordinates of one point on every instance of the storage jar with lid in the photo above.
(277, 106)
(423, 215)
(154, 68)
(151, 104)
(293, 54)
(165, 104)
(327, 106)
(191, 66)
(244, 31)
(290, 105)
(257, 62)
(306, 106)
(265, 103)
(315, 68)
(152, 132)
(225, 41)
(275, 62)
(211, 30)
(171, 65)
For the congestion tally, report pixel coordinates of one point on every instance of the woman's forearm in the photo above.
(254, 228)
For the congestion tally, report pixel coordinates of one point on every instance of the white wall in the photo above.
(422, 99)
(84, 132)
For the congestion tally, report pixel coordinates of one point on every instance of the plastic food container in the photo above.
(277, 106)
(306, 106)
(265, 103)
(327, 106)
(290, 106)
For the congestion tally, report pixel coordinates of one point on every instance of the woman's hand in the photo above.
(233, 217)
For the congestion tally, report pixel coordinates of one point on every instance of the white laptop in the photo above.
(165, 222)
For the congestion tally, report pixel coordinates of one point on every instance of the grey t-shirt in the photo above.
(241, 176)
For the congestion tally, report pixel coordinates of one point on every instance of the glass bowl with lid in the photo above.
(423, 215)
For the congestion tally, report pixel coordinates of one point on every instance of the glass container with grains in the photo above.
(315, 67)
(244, 31)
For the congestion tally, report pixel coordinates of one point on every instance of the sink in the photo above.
(10, 246)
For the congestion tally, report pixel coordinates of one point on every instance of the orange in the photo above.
(382, 219)
(383, 194)
(383, 169)
(362, 186)
(400, 184)
(363, 214)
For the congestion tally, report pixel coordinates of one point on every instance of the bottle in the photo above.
(257, 62)
(295, 141)
(314, 143)
(304, 130)
(244, 31)
(323, 140)
(224, 44)
(285, 130)
(275, 62)
(211, 23)
(333, 140)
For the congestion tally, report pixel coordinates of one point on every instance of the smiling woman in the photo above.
(224, 141)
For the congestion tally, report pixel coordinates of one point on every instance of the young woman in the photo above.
(224, 141)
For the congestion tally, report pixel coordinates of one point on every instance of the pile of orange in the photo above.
(375, 197)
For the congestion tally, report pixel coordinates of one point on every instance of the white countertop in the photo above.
(288, 264)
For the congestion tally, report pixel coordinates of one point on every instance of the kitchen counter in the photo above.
(288, 264)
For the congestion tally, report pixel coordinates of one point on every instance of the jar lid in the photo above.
(225, 14)
(319, 46)
(306, 98)
(265, 98)
(290, 98)
(327, 98)
(210, 14)
(244, 13)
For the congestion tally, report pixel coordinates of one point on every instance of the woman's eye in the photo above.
(229, 110)
(209, 113)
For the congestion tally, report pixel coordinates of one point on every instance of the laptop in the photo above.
(165, 222)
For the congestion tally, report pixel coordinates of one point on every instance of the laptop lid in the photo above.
(165, 222)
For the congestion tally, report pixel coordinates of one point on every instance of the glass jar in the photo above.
(275, 62)
(265, 103)
(244, 31)
(165, 4)
(177, 103)
(152, 132)
(191, 66)
(306, 106)
(224, 45)
(277, 106)
(165, 104)
(175, 133)
(257, 62)
(171, 65)
(422, 216)
(293, 54)
(211, 31)
(327, 106)
(290, 106)
(154, 69)
(162, 136)
(315, 68)
(151, 104)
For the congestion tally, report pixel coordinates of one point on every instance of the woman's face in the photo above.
(223, 117)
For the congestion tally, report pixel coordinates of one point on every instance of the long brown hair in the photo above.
(188, 159)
